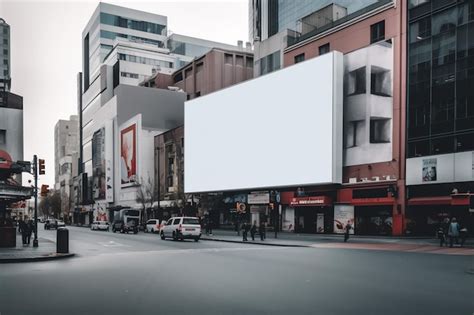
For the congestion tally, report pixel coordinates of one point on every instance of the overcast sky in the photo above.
(46, 53)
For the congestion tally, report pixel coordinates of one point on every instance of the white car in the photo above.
(100, 225)
(181, 228)
(60, 224)
(153, 226)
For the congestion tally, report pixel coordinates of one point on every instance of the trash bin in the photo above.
(62, 241)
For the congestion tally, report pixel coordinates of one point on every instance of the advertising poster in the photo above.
(320, 223)
(100, 212)
(128, 155)
(109, 157)
(429, 170)
(98, 164)
(343, 214)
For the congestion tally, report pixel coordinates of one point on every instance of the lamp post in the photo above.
(158, 181)
(35, 173)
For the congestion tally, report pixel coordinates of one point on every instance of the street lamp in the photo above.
(157, 150)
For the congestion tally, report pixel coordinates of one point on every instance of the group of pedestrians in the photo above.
(246, 228)
(26, 228)
(451, 231)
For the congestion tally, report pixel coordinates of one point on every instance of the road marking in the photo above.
(112, 244)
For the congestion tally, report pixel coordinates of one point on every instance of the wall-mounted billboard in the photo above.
(128, 155)
(102, 163)
(281, 129)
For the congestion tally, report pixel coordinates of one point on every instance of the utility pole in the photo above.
(35, 174)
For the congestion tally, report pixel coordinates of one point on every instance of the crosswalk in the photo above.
(410, 248)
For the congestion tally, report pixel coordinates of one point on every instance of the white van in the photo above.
(181, 228)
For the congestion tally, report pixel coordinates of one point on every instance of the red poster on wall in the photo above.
(128, 155)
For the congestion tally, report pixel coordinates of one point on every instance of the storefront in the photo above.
(425, 214)
(313, 214)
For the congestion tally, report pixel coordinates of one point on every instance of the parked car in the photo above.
(60, 223)
(100, 225)
(50, 224)
(153, 226)
(181, 228)
(123, 227)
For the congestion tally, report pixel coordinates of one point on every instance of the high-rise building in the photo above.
(109, 22)
(440, 113)
(5, 81)
(275, 24)
(66, 147)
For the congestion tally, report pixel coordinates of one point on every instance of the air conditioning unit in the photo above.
(376, 178)
(171, 189)
(352, 180)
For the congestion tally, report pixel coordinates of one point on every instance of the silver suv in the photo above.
(181, 228)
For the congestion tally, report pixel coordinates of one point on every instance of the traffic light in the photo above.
(41, 167)
(44, 190)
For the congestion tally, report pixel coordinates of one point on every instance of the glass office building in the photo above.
(440, 107)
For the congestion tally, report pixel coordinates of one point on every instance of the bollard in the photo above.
(62, 241)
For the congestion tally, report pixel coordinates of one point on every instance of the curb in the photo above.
(52, 256)
(252, 243)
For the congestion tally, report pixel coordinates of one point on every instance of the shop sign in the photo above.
(311, 201)
(259, 198)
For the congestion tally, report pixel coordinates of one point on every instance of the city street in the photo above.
(139, 274)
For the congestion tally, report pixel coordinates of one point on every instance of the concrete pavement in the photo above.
(408, 244)
(19, 254)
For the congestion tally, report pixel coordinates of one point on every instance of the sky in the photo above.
(46, 54)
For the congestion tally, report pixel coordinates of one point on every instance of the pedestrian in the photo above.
(21, 223)
(261, 231)
(463, 235)
(253, 230)
(30, 228)
(441, 236)
(453, 232)
(347, 229)
(23, 229)
(244, 231)
(210, 226)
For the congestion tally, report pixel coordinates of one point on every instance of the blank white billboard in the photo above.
(282, 129)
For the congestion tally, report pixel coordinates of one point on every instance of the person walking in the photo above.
(29, 230)
(453, 232)
(23, 229)
(347, 229)
(463, 235)
(253, 230)
(441, 237)
(244, 231)
(261, 231)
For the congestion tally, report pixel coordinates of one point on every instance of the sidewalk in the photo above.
(335, 241)
(45, 251)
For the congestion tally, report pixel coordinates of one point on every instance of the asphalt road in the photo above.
(141, 274)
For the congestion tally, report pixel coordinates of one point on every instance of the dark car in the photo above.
(50, 224)
(124, 227)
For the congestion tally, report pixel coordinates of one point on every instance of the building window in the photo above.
(3, 136)
(249, 62)
(239, 61)
(377, 32)
(380, 130)
(299, 58)
(178, 77)
(129, 75)
(380, 81)
(5, 61)
(228, 58)
(5, 52)
(353, 134)
(356, 82)
(324, 49)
